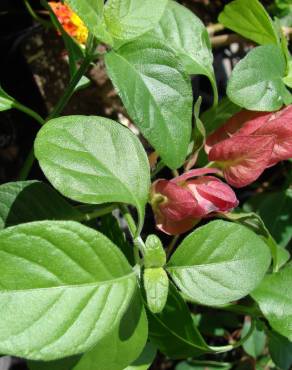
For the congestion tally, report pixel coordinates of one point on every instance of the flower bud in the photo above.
(179, 204)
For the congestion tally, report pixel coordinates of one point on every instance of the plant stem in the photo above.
(158, 168)
(35, 16)
(70, 88)
(241, 310)
(138, 242)
(101, 211)
(29, 112)
(55, 113)
(171, 246)
(27, 166)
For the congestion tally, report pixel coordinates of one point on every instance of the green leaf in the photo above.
(214, 118)
(219, 263)
(252, 21)
(256, 81)
(154, 254)
(91, 13)
(145, 360)
(156, 287)
(288, 78)
(6, 101)
(123, 345)
(280, 349)
(64, 287)
(157, 95)
(183, 31)
(173, 331)
(255, 344)
(64, 364)
(94, 160)
(273, 296)
(128, 19)
(279, 221)
(25, 201)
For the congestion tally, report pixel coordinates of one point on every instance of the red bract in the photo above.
(244, 149)
(179, 204)
(243, 158)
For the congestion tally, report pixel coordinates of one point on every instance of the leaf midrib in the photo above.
(95, 284)
(150, 94)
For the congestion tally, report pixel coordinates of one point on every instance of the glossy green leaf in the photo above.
(154, 254)
(252, 21)
(157, 95)
(6, 101)
(275, 210)
(280, 349)
(128, 19)
(26, 201)
(275, 300)
(156, 288)
(255, 344)
(91, 13)
(145, 360)
(256, 81)
(183, 31)
(173, 330)
(123, 345)
(63, 288)
(219, 263)
(94, 160)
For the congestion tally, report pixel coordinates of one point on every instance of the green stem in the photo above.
(29, 112)
(158, 168)
(55, 113)
(27, 166)
(241, 310)
(230, 347)
(70, 88)
(101, 211)
(138, 242)
(35, 16)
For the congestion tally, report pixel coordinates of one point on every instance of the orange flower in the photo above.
(70, 21)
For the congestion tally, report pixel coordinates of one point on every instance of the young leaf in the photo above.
(280, 349)
(154, 254)
(256, 81)
(185, 33)
(94, 160)
(128, 19)
(26, 201)
(144, 361)
(275, 210)
(91, 13)
(173, 330)
(252, 21)
(219, 263)
(255, 344)
(64, 287)
(156, 93)
(123, 345)
(273, 296)
(156, 288)
(6, 101)
(214, 118)
(288, 78)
